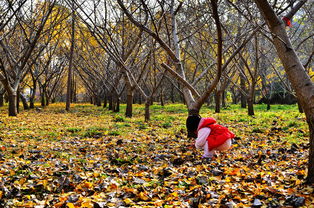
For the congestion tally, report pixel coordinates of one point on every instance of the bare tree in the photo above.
(17, 53)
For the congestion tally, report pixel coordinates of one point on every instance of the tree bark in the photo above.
(32, 95)
(242, 85)
(129, 103)
(24, 101)
(147, 113)
(217, 101)
(69, 82)
(1, 100)
(223, 99)
(98, 100)
(300, 106)
(110, 107)
(250, 106)
(12, 104)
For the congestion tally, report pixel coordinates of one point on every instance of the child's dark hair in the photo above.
(191, 124)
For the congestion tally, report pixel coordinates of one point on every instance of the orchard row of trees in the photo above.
(138, 50)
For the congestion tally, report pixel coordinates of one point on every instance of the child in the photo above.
(209, 135)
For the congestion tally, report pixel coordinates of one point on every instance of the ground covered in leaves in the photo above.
(91, 157)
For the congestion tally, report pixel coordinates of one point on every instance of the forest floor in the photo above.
(91, 157)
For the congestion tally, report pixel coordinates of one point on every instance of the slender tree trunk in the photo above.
(12, 104)
(268, 103)
(243, 98)
(32, 96)
(1, 100)
(42, 97)
(140, 99)
(47, 99)
(147, 113)
(310, 177)
(250, 100)
(217, 101)
(129, 102)
(24, 101)
(18, 101)
(250, 105)
(223, 99)
(98, 100)
(69, 88)
(110, 102)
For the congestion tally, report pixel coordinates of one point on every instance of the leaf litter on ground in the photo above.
(44, 164)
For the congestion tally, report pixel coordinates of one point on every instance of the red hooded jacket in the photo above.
(218, 135)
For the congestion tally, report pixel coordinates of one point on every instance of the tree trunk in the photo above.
(129, 103)
(242, 85)
(140, 101)
(24, 101)
(310, 177)
(250, 100)
(1, 99)
(18, 101)
(110, 102)
(32, 95)
(234, 96)
(12, 104)
(47, 99)
(217, 101)
(69, 84)
(42, 98)
(98, 100)
(250, 106)
(299, 106)
(268, 103)
(147, 113)
(223, 99)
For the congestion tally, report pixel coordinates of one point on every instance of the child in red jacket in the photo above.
(209, 135)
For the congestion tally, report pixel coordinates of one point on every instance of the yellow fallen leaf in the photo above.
(70, 205)
(143, 196)
(128, 201)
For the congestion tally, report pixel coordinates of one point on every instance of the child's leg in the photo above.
(224, 146)
(207, 153)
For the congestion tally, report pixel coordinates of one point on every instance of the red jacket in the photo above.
(218, 135)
